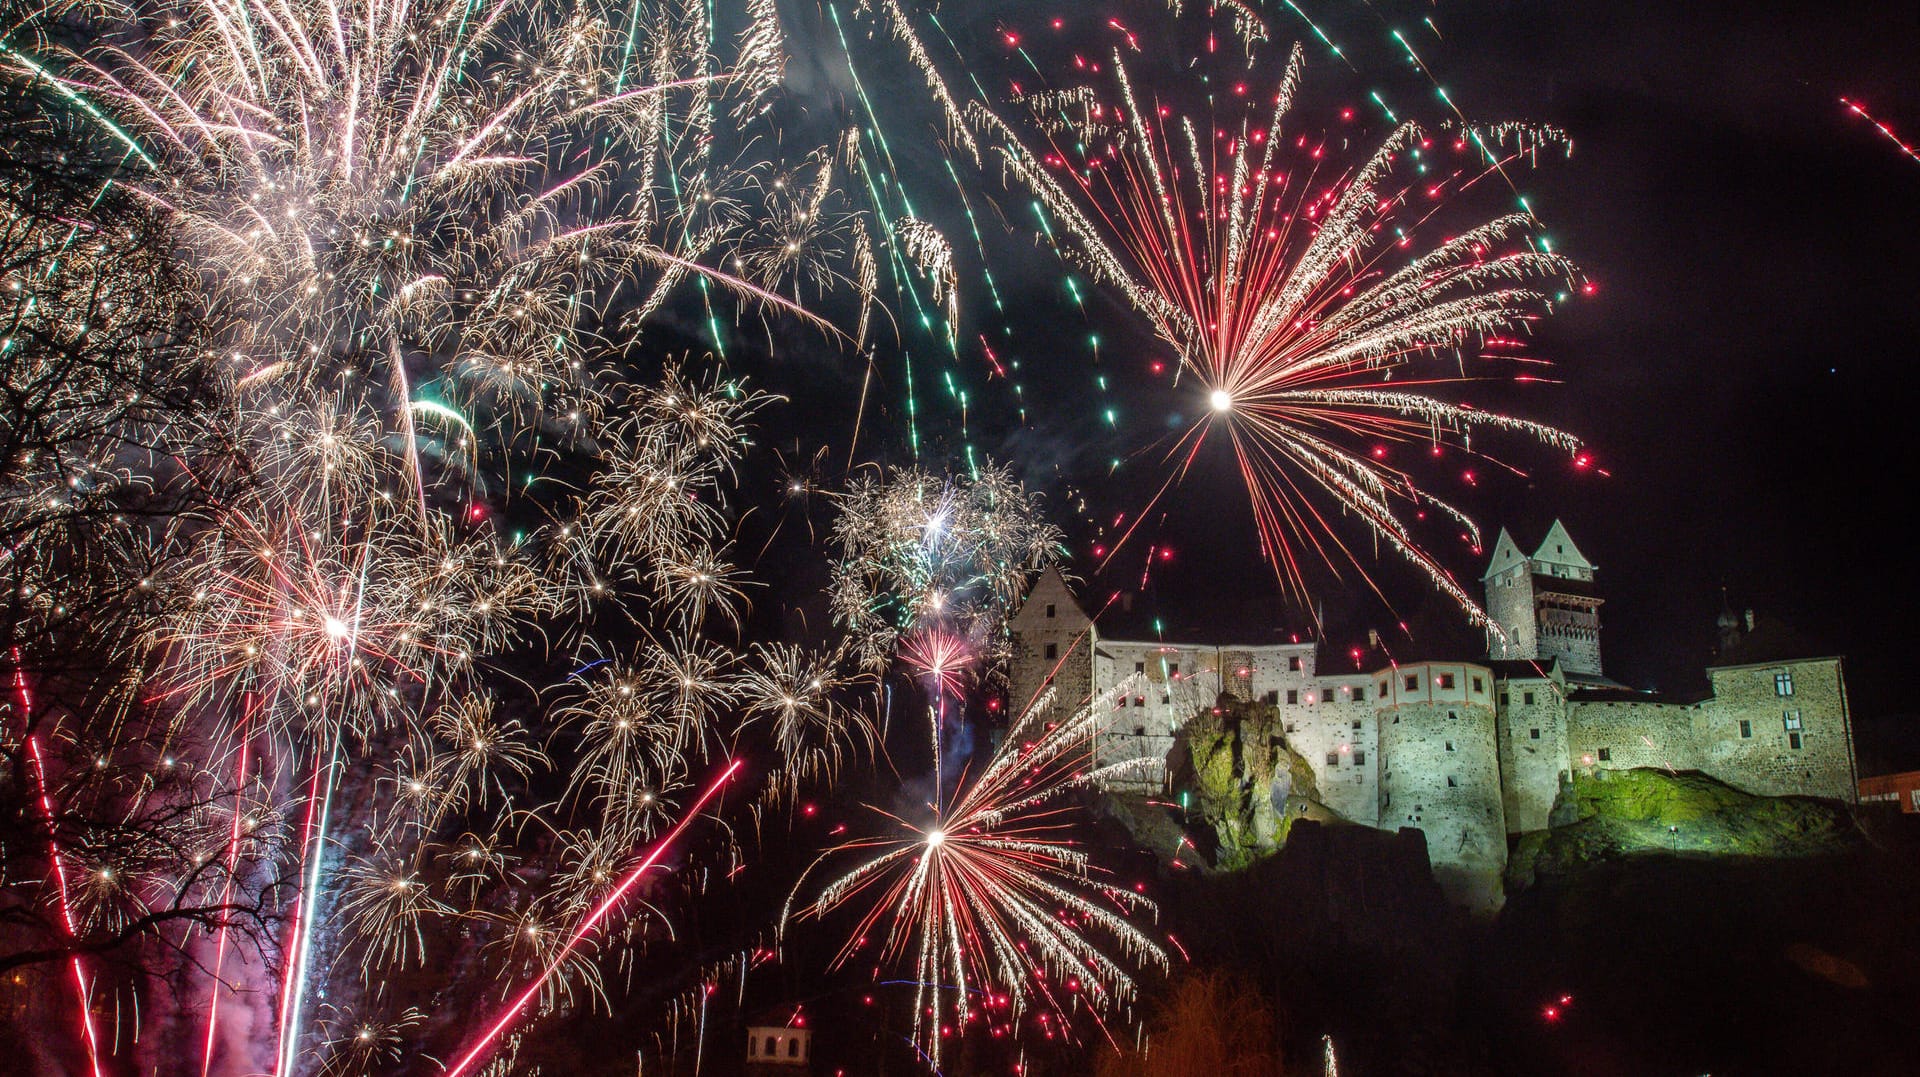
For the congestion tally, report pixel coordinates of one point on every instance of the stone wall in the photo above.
(1440, 773)
(1622, 736)
(1766, 760)
(1533, 749)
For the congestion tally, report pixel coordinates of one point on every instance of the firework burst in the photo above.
(1321, 328)
(988, 892)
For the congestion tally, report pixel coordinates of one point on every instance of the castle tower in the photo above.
(1440, 773)
(1546, 605)
(1053, 640)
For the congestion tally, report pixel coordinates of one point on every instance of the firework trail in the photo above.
(989, 893)
(1886, 132)
(485, 1042)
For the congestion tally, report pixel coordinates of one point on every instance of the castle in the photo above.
(1470, 752)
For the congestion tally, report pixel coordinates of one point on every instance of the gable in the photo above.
(1506, 554)
(1050, 589)
(1558, 549)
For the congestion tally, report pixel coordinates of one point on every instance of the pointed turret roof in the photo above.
(1558, 549)
(1506, 553)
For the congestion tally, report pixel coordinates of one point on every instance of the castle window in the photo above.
(1533, 734)
(1290, 727)
(1273, 696)
(1293, 663)
(1174, 670)
(1453, 716)
(1293, 695)
(1333, 759)
(1479, 686)
(1139, 731)
(1139, 701)
(1359, 693)
(1359, 759)
(1383, 688)
(1050, 609)
(793, 1047)
(1746, 729)
(1527, 698)
(1451, 784)
(1446, 681)
(1793, 741)
(1139, 667)
(768, 1049)
(1606, 755)
(1053, 651)
(1356, 724)
(1413, 682)
(1791, 719)
(1503, 699)
(1783, 683)
(1449, 746)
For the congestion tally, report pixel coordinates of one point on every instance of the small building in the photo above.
(1903, 789)
(779, 1049)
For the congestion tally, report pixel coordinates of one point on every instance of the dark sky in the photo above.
(1743, 374)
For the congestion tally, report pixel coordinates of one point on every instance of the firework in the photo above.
(987, 890)
(1297, 296)
(950, 553)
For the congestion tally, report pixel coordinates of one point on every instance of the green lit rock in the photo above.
(1606, 815)
(1244, 780)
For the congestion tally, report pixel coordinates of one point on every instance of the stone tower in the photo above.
(1052, 640)
(1545, 605)
(1440, 767)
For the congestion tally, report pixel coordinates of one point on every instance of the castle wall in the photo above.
(1440, 773)
(1052, 642)
(1337, 736)
(1766, 761)
(1621, 736)
(1167, 684)
(1533, 750)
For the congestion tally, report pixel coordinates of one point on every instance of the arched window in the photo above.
(793, 1047)
(768, 1050)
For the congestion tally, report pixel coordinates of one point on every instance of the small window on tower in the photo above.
(1053, 651)
(1606, 755)
(1533, 734)
(1449, 746)
(1527, 698)
(1413, 682)
(1359, 693)
(1293, 695)
(1139, 731)
(1359, 759)
(1139, 701)
(1791, 719)
(1503, 699)
(1050, 609)
(1356, 723)
(1793, 741)
(1451, 784)
(1174, 670)
(1139, 667)
(1446, 682)
(1383, 688)
(1273, 696)
(1746, 729)
(1293, 663)
(1479, 686)
(1333, 759)
(1783, 683)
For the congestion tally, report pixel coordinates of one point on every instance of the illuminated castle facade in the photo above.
(1468, 751)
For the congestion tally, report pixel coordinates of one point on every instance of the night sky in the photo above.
(1741, 375)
